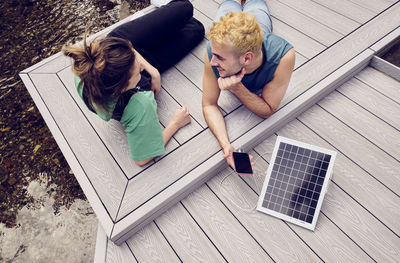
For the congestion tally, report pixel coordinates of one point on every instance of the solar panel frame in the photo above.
(318, 180)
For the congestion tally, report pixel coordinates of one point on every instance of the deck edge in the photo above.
(79, 173)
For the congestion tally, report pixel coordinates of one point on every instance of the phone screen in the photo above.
(242, 163)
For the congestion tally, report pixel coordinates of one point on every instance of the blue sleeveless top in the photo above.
(273, 48)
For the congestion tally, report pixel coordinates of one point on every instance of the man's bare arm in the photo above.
(211, 111)
(273, 91)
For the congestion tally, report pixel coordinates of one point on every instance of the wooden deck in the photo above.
(334, 41)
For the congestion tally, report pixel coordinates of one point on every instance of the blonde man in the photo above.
(244, 57)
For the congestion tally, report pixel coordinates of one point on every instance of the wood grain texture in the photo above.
(185, 92)
(356, 12)
(79, 173)
(349, 176)
(315, 30)
(231, 239)
(188, 240)
(204, 19)
(208, 8)
(386, 67)
(43, 63)
(366, 232)
(303, 44)
(163, 174)
(354, 146)
(193, 68)
(381, 82)
(362, 227)
(385, 43)
(100, 252)
(280, 242)
(376, 6)
(103, 172)
(323, 15)
(111, 133)
(166, 106)
(343, 51)
(119, 254)
(380, 133)
(327, 241)
(373, 101)
(149, 245)
(58, 63)
(166, 199)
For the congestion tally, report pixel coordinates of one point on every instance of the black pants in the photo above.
(164, 36)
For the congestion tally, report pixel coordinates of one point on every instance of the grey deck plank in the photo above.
(380, 133)
(373, 160)
(100, 252)
(149, 245)
(350, 177)
(174, 166)
(119, 254)
(302, 23)
(362, 227)
(303, 44)
(344, 50)
(373, 101)
(349, 9)
(381, 83)
(187, 238)
(192, 67)
(323, 15)
(281, 243)
(342, 210)
(187, 94)
(376, 6)
(103, 172)
(111, 133)
(366, 230)
(234, 242)
(327, 240)
(166, 106)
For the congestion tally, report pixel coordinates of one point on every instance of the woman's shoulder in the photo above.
(140, 104)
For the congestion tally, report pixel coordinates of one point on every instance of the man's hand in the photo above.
(228, 150)
(228, 155)
(231, 82)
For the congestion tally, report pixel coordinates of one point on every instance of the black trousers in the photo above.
(164, 36)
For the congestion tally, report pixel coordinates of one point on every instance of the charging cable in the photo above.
(257, 189)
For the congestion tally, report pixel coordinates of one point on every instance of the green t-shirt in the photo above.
(141, 123)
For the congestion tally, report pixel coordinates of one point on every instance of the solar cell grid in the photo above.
(295, 181)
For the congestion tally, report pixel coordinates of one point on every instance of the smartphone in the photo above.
(242, 163)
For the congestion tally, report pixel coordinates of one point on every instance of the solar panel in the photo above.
(296, 182)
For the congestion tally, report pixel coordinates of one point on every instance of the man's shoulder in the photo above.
(272, 39)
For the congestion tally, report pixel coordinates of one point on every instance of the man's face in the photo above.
(227, 61)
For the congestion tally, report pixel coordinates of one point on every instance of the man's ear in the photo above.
(248, 57)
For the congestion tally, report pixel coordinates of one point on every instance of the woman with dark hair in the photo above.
(118, 76)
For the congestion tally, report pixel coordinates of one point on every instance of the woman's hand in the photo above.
(154, 73)
(181, 117)
(155, 82)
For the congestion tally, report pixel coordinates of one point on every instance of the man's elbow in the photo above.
(269, 110)
(266, 114)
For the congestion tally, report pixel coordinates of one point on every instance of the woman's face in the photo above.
(135, 75)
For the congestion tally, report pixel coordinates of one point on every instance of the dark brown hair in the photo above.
(104, 66)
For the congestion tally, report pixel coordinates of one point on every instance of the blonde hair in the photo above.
(241, 29)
